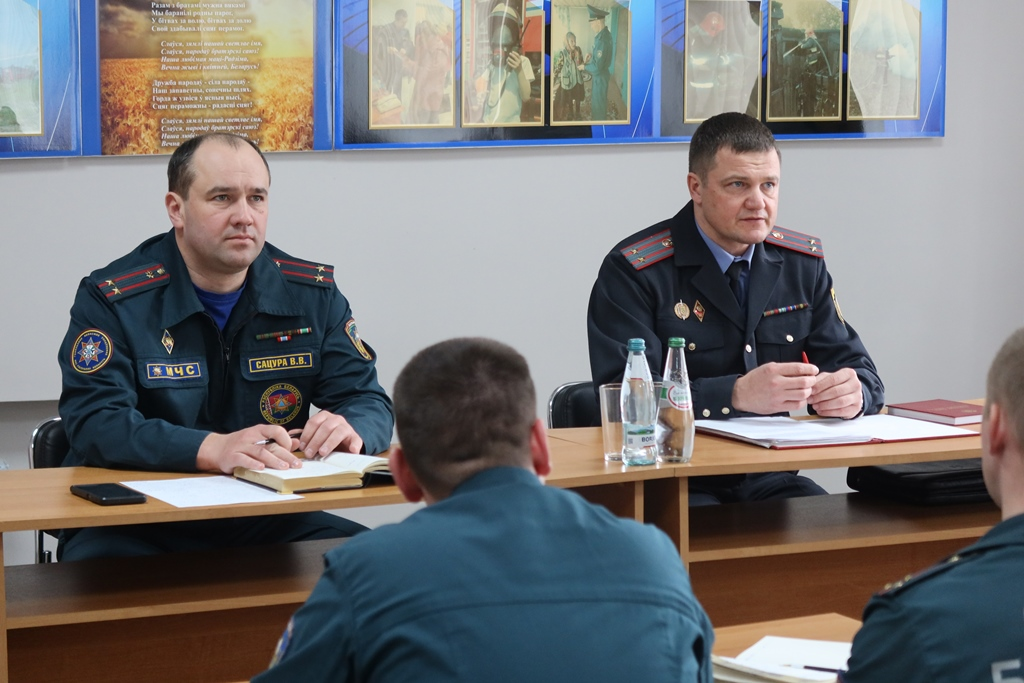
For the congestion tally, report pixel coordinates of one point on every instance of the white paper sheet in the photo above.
(213, 490)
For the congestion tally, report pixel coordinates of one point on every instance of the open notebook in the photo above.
(336, 471)
(786, 432)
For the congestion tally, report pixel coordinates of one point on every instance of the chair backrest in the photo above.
(49, 444)
(574, 405)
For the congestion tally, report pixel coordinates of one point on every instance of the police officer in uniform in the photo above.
(598, 63)
(962, 620)
(754, 302)
(499, 578)
(203, 350)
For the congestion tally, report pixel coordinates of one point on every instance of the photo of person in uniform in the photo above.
(501, 85)
(412, 66)
(805, 44)
(723, 58)
(567, 82)
(885, 65)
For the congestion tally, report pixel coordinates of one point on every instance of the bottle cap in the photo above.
(636, 344)
(676, 342)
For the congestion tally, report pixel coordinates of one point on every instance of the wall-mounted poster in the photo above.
(723, 58)
(412, 64)
(805, 60)
(39, 78)
(590, 57)
(885, 60)
(502, 63)
(170, 70)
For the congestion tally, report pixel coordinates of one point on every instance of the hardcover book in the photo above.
(336, 471)
(939, 410)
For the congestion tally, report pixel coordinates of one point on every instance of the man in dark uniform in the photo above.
(203, 349)
(754, 302)
(961, 620)
(499, 578)
(598, 63)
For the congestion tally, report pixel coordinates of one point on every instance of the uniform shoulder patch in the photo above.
(796, 241)
(649, 250)
(306, 272)
(134, 281)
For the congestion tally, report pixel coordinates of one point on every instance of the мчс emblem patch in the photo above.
(91, 351)
(280, 404)
(353, 335)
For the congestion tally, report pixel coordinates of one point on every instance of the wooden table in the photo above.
(732, 640)
(755, 561)
(138, 617)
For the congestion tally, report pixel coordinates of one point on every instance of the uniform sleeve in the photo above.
(622, 306)
(833, 344)
(317, 645)
(888, 647)
(348, 383)
(99, 397)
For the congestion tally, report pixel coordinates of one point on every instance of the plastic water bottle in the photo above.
(674, 430)
(639, 408)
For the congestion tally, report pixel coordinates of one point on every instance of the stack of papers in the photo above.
(783, 660)
(785, 432)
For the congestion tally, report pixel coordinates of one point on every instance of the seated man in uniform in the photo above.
(499, 578)
(754, 302)
(961, 620)
(203, 349)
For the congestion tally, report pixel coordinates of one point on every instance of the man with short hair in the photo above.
(763, 328)
(203, 349)
(960, 621)
(598, 63)
(499, 578)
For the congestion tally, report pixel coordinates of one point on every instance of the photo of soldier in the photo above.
(805, 39)
(723, 58)
(885, 65)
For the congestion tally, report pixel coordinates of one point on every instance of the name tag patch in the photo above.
(173, 371)
(291, 361)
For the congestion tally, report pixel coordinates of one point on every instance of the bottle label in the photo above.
(679, 397)
(641, 438)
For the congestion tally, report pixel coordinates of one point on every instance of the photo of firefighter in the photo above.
(805, 39)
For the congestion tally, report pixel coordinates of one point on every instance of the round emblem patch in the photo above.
(280, 404)
(91, 351)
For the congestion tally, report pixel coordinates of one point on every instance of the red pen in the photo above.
(803, 355)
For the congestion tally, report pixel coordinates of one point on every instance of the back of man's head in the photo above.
(463, 406)
(1006, 384)
(740, 133)
(180, 170)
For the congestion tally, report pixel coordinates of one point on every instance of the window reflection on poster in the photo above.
(723, 58)
(412, 64)
(21, 107)
(502, 63)
(885, 64)
(805, 45)
(171, 70)
(591, 65)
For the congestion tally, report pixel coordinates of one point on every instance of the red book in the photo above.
(939, 410)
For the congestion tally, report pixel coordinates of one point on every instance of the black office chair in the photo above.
(574, 404)
(48, 447)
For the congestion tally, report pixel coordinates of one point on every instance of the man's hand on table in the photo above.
(837, 394)
(245, 448)
(775, 388)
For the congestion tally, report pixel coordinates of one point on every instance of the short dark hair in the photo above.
(401, 14)
(463, 406)
(180, 173)
(738, 132)
(1006, 383)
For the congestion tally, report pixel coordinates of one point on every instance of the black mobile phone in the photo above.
(108, 494)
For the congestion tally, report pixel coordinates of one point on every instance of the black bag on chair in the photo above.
(923, 483)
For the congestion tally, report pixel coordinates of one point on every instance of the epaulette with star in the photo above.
(649, 250)
(796, 241)
(306, 272)
(934, 570)
(134, 281)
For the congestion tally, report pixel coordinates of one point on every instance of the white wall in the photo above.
(922, 236)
